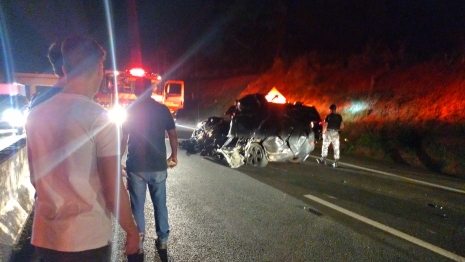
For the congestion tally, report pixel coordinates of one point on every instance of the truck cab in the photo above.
(118, 88)
(171, 95)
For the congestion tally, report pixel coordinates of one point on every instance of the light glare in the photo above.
(118, 114)
(14, 117)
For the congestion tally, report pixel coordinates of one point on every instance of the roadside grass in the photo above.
(407, 144)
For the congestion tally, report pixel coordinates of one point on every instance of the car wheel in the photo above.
(296, 160)
(256, 155)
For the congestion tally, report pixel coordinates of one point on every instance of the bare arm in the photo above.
(325, 125)
(173, 137)
(117, 200)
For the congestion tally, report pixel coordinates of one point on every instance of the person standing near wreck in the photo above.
(146, 165)
(73, 153)
(331, 127)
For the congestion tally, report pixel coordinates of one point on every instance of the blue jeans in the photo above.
(156, 182)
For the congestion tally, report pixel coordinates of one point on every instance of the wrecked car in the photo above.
(258, 132)
(263, 132)
(208, 136)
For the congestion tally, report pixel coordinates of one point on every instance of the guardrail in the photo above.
(16, 192)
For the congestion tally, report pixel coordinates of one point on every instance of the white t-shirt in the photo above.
(65, 135)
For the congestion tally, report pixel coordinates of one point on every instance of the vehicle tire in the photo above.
(296, 160)
(256, 155)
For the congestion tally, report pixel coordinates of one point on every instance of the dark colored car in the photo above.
(259, 132)
(208, 136)
(13, 112)
(312, 114)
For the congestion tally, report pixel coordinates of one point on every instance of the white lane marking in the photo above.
(403, 178)
(390, 230)
(333, 197)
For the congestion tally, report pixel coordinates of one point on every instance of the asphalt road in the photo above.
(362, 211)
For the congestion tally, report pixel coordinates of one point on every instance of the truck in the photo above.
(117, 88)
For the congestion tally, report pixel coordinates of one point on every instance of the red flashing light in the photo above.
(137, 72)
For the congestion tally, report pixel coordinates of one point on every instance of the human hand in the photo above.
(123, 171)
(172, 161)
(132, 243)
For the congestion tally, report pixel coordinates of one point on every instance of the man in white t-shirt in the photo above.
(73, 158)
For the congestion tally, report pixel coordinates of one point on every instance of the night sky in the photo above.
(179, 34)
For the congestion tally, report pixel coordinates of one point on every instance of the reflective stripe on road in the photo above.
(387, 229)
(402, 177)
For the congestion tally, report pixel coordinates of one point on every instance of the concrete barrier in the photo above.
(16, 192)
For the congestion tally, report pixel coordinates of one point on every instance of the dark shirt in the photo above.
(147, 121)
(334, 121)
(44, 96)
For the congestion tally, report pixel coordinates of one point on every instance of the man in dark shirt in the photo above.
(147, 162)
(331, 126)
(56, 59)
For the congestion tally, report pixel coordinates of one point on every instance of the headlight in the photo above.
(117, 114)
(14, 117)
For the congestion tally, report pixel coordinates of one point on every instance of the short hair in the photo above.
(332, 107)
(81, 54)
(55, 58)
(143, 86)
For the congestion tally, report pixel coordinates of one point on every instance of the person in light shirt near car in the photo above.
(73, 156)
(332, 125)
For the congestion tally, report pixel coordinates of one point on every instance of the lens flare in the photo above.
(117, 114)
(117, 233)
(14, 117)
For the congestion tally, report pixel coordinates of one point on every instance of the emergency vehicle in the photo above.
(117, 88)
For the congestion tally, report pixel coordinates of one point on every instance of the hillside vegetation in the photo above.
(411, 114)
